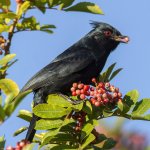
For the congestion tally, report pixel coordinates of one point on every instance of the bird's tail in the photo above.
(39, 98)
(31, 131)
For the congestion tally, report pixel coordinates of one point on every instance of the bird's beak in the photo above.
(123, 39)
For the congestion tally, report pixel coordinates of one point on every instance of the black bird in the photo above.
(81, 62)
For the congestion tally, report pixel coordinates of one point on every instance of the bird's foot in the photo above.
(69, 99)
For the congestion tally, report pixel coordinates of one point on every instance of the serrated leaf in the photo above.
(48, 124)
(49, 111)
(109, 144)
(88, 140)
(25, 115)
(7, 59)
(130, 99)
(86, 130)
(10, 88)
(19, 131)
(55, 99)
(141, 107)
(85, 7)
(115, 73)
(2, 142)
(87, 107)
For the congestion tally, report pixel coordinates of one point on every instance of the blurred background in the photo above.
(36, 49)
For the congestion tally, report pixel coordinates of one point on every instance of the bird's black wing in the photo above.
(59, 69)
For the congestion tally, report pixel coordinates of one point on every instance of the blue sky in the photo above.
(36, 49)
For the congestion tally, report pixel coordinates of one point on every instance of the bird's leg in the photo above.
(69, 99)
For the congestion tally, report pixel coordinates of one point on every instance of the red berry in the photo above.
(94, 80)
(80, 86)
(86, 87)
(91, 93)
(92, 89)
(82, 96)
(112, 88)
(78, 92)
(106, 100)
(82, 91)
(99, 99)
(104, 95)
(101, 85)
(9, 148)
(75, 85)
(93, 100)
(77, 128)
(119, 94)
(19, 1)
(97, 103)
(107, 84)
(74, 93)
(115, 95)
(72, 89)
(117, 90)
(22, 144)
(19, 147)
(87, 93)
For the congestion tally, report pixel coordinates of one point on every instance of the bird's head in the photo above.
(107, 36)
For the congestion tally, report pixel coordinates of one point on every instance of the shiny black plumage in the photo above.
(81, 62)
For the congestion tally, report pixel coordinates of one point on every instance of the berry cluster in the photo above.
(101, 94)
(2, 44)
(80, 118)
(20, 145)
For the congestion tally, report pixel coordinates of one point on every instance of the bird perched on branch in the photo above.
(81, 62)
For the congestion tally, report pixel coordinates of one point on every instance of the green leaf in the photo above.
(7, 59)
(107, 113)
(2, 114)
(55, 99)
(19, 131)
(23, 8)
(85, 7)
(64, 147)
(25, 115)
(10, 88)
(120, 105)
(48, 124)
(130, 99)
(141, 107)
(86, 130)
(29, 147)
(109, 144)
(88, 140)
(2, 142)
(9, 15)
(52, 3)
(49, 111)
(77, 107)
(108, 72)
(115, 73)
(15, 102)
(4, 28)
(5, 4)
(87, 107)
(66, 3)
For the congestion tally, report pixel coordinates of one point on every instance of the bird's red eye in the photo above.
(107, 33)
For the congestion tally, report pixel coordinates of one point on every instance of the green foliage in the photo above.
(2, 142)
(22, 129)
